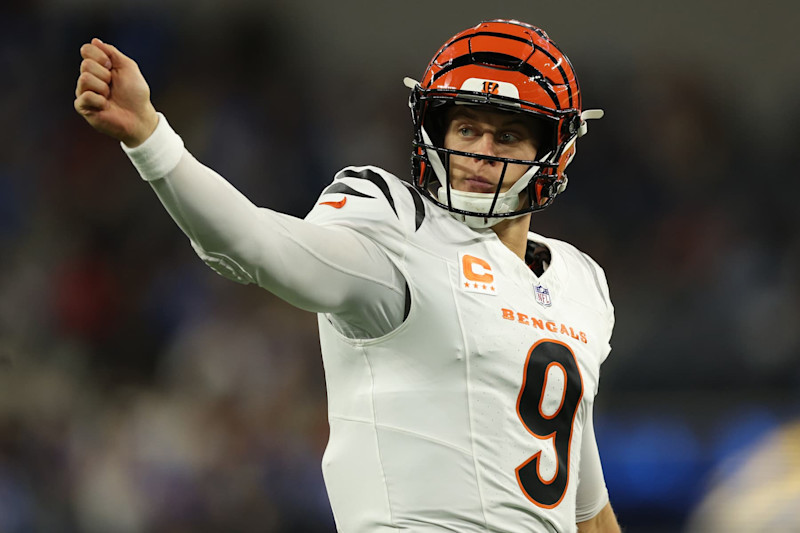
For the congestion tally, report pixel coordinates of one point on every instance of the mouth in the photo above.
(477, 184)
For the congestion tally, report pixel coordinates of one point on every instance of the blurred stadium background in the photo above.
(141, 392)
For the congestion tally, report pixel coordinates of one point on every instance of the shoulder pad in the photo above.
(367, 197)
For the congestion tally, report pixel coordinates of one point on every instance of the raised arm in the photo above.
(322, 269)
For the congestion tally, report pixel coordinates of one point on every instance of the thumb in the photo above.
(117, 58)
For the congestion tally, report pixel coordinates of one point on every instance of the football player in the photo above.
(462, 352)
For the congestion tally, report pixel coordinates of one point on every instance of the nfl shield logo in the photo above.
(542, 296)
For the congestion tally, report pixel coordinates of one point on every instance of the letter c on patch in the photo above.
(476, 269)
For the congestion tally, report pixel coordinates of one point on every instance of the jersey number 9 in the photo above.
(548, 400)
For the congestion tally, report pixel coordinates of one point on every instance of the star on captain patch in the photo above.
(542, 295)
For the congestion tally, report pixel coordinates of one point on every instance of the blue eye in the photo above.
(508, 137)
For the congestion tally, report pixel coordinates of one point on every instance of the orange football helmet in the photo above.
(510, 66)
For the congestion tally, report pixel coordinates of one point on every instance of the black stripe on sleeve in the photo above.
(372, 176)
(419, 207)
(408, 303)
(344, 189)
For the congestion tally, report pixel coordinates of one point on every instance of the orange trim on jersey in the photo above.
(336, 205)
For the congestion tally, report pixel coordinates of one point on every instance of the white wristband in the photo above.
(158, 154)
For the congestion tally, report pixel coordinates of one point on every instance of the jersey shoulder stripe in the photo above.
(343, 188)
(419, 206)
(373, 177)
(381, 182)
(373, 202)
(368, 188)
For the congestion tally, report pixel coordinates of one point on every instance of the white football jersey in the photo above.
(470, 415)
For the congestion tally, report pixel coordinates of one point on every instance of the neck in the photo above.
(513, 233)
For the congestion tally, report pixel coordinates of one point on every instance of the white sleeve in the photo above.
(592, 492)
(324, 269)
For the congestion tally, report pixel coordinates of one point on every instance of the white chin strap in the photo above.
(477, 202)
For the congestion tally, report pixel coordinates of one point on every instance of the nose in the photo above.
(486, 146)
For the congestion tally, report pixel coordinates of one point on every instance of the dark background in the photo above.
(139, 391)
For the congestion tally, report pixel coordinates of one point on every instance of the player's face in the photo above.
(487, 132)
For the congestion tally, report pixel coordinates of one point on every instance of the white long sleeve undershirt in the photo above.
(324, 269)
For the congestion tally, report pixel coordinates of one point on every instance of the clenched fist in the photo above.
(113, 96)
